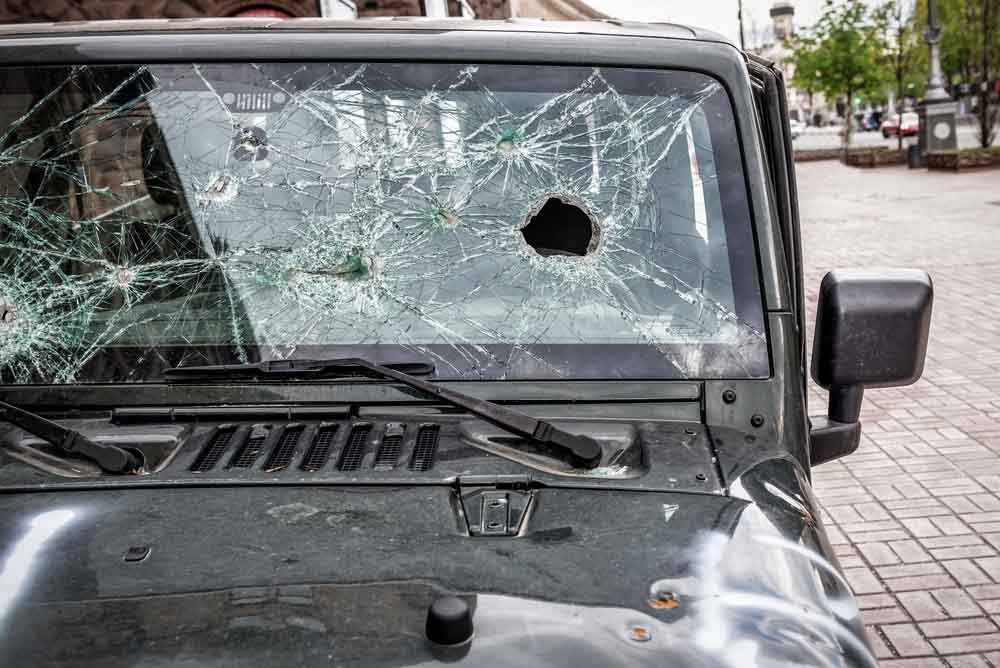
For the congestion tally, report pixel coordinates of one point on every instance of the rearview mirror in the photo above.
(871, 331)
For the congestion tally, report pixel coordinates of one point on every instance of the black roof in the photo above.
(407, 24)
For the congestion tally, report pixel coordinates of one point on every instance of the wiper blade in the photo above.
(110, 458)
(295, 368)
(578, 451)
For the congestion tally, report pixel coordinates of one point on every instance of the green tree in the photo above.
(896, 22)
(845, 50)
(986, 15)
(806, 75)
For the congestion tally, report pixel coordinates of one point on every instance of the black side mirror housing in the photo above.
(871, 331)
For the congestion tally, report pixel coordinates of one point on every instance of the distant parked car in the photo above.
(909, 127)
(796, 127)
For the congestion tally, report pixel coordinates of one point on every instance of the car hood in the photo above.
(307, 576)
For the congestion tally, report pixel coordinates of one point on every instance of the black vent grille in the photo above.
(213, 451)
(319, 453)
(248, 453)
(281, 455)
(388, 453)
(354, 451)
(426, 446)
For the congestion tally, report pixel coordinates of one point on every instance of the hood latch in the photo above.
(495, 505)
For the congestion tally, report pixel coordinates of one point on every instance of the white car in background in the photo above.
(797, 128)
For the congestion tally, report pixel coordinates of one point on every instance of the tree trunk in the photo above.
(984, 92)
(848, 117)
(899, 106)
(986, 116)
(898, 61)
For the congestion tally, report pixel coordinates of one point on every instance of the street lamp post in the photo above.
(937, 109)
(739, 17)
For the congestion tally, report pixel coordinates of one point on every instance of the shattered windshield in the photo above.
(499, 221)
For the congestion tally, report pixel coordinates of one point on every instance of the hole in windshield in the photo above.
(561, 227)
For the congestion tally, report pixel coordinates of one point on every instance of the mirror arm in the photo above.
(839, 433)
(829, 440)
(845, 403)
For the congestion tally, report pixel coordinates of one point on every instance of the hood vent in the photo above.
(319, 453)
(213, 450)
(354, 451)
(426, 446)
(247, 455)
(310, 447)
(392, 443)
(281, 455)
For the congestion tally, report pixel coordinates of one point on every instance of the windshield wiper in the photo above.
(297, 368)
(578, 451)
(110, 458)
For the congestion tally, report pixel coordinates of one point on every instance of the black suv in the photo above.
(390, 343)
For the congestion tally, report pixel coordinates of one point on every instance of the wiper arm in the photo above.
(581, 451)
(110, 458)
(578, 451)
(296, 368)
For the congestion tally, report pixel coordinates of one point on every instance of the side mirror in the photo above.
(871, 331)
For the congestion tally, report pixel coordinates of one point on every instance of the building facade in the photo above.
(16, 11)
(20, 11)
(776, 46)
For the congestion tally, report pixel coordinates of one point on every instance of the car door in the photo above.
(767, 83)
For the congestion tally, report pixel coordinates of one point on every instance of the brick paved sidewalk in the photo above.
(914, 514)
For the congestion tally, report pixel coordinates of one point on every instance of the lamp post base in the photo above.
(937, 126)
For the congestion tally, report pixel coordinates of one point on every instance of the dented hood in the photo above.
(285, 576)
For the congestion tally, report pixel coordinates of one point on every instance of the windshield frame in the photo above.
(717, 60)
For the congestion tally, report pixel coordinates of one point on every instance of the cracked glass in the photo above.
(500, 221)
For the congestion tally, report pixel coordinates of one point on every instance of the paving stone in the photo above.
(885, 616)
(984, 592)
(957, 627)
(862, 581)
(966, 552)
(867, 601)
(951, 541)
(991, 566)
(920, 605)
(869, 536)
(927, 511)
(865, 527)
(909, 551)
(878, 554)
(920, 582)
(911, 570)
(966, 572)
(967, 661)
(969, 643)
(956, 602)
(923, 662)
(879, 645)
(906, 639)
(921, 527)
(872, 511)
(961, 504)
(985, 501)
(950, 526)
